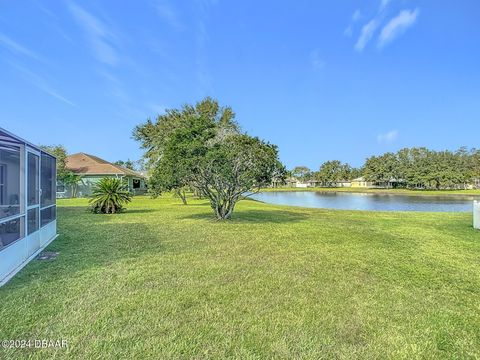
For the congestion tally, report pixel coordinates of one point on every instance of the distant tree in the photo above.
(332, 172)
(474, 164)
(424, 168)
(128, 164)
(382, 168)
(71, 179)
(355, 173)
(302, 173)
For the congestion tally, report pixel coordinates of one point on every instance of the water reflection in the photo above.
(367, 201)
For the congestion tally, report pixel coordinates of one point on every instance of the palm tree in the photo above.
(71, 179)
(109, 195)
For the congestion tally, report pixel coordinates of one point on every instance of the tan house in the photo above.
(92, 168)
(361, 183)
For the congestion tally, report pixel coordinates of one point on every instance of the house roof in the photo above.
(87, 164)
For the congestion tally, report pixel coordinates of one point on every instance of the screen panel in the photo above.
(48, 215)
(10, 180)
(48, 180)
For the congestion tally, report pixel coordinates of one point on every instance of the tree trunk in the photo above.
(182, 195)
(223, 208)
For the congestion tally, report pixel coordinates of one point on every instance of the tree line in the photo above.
(417, 167)
(330, 173)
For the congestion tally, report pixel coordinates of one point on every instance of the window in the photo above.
(10, 182)
(60, 187)
(32, 220)
(11, 231)
(48, 181)
(48, 215)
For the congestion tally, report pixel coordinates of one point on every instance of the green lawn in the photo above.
(165, 281)
(473, 192)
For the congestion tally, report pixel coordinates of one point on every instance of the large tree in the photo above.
(331, 172)
(301, 173)
(202, 147)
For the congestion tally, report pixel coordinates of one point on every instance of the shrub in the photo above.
(109, 195)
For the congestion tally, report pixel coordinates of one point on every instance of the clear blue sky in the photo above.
(321, 79)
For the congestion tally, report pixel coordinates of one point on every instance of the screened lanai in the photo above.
(27, 203)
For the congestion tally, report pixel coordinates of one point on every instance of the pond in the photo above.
(369, 201)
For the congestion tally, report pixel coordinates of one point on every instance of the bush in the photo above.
(109, 195)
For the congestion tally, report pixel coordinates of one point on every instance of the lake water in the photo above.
(362, 201)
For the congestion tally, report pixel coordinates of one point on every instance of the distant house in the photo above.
(294, 182)
(313, 183)
(344, 183)
(361, 183)
(300, 184)
(390, 184)
(91, 169)
(476, 183)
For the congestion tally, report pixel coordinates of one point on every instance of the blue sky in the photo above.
(321, 79)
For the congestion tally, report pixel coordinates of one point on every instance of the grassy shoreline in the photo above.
(163, 280)
(475, 192)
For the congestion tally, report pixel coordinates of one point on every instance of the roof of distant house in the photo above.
(87, 164)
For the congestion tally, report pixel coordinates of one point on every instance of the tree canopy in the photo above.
(128, 164)
(302, 173)
(331, 172)
(202, 147)
(424, 168)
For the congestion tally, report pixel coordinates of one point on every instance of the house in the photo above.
(390, 184)
(476, 183)
(300, 184)
(294, 182)
(91, 169)
(361, 182)
(344, 183)
(314, 183)
(27, 203)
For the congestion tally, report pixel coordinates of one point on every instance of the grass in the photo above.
(472, 192)
(164, 280)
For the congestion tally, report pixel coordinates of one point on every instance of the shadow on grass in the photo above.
(87, 241)
(136, 211)
(460, 229)
(256, 216)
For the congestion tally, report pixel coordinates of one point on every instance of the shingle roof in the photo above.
(86, 164)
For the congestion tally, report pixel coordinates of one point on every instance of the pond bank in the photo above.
(384, 191)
